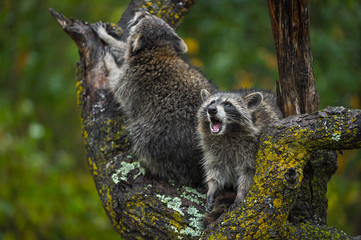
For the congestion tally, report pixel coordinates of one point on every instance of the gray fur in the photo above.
(159, 93)
(229, 124)
(116, 47)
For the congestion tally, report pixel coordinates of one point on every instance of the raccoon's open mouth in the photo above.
(215, 125)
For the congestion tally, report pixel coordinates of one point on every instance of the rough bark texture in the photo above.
(297, 93)
(142, 207)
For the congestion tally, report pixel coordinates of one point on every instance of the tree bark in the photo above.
(140, 206)
(297, 93)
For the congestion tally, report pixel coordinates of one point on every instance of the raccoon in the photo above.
(158, 90)
(229, 124)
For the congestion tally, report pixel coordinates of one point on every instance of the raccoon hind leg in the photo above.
(115, 73)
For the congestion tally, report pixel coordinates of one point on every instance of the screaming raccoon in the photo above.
(159, 93)
(229, 124)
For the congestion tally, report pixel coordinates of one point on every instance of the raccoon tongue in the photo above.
(216, 126)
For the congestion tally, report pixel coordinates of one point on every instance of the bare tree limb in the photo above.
(297, 93)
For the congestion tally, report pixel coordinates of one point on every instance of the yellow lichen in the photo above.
(79, 92)
(277, 203)
(85, 134)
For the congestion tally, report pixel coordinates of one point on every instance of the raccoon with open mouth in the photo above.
(229, 124)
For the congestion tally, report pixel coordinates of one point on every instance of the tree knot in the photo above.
(291, 177)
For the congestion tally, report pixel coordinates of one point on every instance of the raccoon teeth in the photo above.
(216, 126)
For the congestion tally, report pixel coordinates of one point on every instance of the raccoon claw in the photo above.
(99, 27)
(233, 206)
(209, 203)
(209, 207)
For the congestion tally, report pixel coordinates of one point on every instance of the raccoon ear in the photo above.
(180, 45)
(253, 100)
(205, 95)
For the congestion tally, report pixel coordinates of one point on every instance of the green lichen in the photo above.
(336, 136)
(172, 203)
(122, 172)
(192, 195)
(175, 230)
(195, 227)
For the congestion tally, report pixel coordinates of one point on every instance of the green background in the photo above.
(46, 191)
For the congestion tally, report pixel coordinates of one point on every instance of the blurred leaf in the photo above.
(192, 44)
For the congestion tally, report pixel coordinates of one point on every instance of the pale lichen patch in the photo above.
(193, 195)
(336, 136)
(195, 227)
(122, 172)
(172, 203)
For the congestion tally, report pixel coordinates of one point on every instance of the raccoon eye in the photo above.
(213, 102)
(228, 104)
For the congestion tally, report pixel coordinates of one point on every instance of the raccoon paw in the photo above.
(233, 206)
(209, 203)
(99, 28)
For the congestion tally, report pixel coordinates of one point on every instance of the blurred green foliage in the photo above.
(46, 189)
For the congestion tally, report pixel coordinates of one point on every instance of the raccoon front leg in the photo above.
(244, 183)
(211, 194)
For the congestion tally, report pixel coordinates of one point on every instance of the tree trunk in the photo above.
(297, 94)
(140, 206)
(290, 26)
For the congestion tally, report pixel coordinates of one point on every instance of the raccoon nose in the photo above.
(212, 110)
